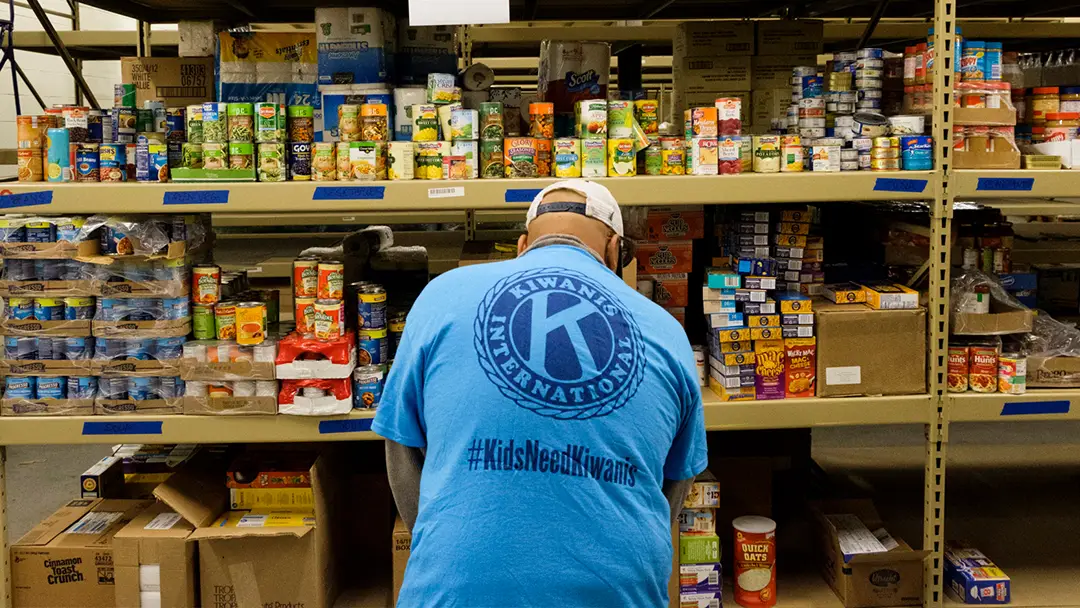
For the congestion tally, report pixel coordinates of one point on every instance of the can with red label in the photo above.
(331, 282)
(306, 277)
(304, 314)
(1012, 373)
(328, 319)
(983, 377)
(958, 369)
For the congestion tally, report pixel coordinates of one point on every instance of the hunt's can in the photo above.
(206, 284)
(367, 386)
(304, 315)
(250, 323)
(328, 318)
(371, 301)
(372, 347)
(306, 277)
(300, 161)
(48, 309)
(331, 285)
(78, 309)
(203, 323)
(225, 320)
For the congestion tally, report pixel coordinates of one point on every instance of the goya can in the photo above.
(304, 315)
(306, 277)
(250, 323)
(371, 346)
(112, 162)
(958, 368)
(225, 320)
(78, 308)
(203, 323)
(367, 386)
(755, 561)
(206, 284)
(1012, 374)
(328, 319)
(331, 281)
(300, 161)
(323, 162)
(371, 302)
(271, 162)
(86, 163)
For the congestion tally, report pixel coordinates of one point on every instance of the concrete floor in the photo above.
(41, 478)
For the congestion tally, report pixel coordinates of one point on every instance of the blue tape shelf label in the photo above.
(350, 425)
(141, 427)
(895, 184)
(9, 200)
(521, 195)
(196, 197)
(349, 193)
(1005, 184)
(1034, 408)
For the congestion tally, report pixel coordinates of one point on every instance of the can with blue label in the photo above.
(82, 387)
(372, 346)
(20, 309)
(41, 232)
(112, 162)
(166, 388)
(46, 270)
(114, 388)
(77, 348)
(168, 349)
(72, 270)
(21, 387)
(52, 388)
(69, 229)
(371, 305)
(140, 348)
(176, 124)
(12, 231)
(367, 386)
(58, 155)
(19, 270)
(176, 308)
(20, 348)
(140, 389)
(917, 153)
(48, 309)
(993, 60)
(300, 161)
(45, 348)
(78, 308)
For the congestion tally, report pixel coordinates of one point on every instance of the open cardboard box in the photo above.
(1005, 116)
(46, 289)
(1001, 157)
(60, 250)
(30, 327)
(869, 580)
(46, 407)
(131, 407)
(259, 566)
(230, 406)
(1002, 319)
(173, 251)
(1053, 372)
(225, 371)
(63, 367)
(157, 538)
(175, 328)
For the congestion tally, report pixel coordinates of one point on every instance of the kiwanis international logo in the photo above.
(559, 344)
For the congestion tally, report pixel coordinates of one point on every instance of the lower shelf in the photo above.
(805, 413)
(1036, 404)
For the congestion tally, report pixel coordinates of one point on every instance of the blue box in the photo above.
(972, 578)
(1019, 281)
(724, 280)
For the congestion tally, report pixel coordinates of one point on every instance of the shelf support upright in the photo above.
(941, 213)
(5, 560)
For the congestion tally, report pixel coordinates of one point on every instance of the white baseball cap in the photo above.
(599, 203)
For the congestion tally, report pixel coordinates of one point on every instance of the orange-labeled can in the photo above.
(219, 391)
(329, 315)
(305, 277)
(755, 561)
(225, 320)
(304, 313)
(331, 284)
(250, 323)
(959, 368)
(983, 376)
(206, 284)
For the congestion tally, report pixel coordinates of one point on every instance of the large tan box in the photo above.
(67, 559)
(769, 104)
(790, 37)
(684, 101)
(178, 81)
(866, 352)
(869, 580)
(701, 38)
(283, 559)
(156, 537)
(712, 74)
(774, 71)
(402, 551)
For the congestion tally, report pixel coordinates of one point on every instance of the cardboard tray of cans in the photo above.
(135, 367)
(51, 367)
(230, 406)
(59, 250)
(47, 289)
(174, 251)
(141, 289)
(176, 328)
(46, 407)
(205, 360)
(145, 407)
(30, 327)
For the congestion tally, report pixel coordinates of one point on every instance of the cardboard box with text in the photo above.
(154, 548)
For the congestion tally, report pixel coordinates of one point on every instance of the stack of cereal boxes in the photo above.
(700, 573)
(758, 312)
(666, 258)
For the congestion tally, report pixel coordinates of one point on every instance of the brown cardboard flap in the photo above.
(230, 406)
(30, 327)
(198, 494)
(18, 367)
(193, 369)
(60, 250)
(147, 407)
(896, 555)
(47, 407)
(1002, 319)
(1053, 372)
(136, 367)
(975, 117)
(55, 524)
(175, 251)
(52, 289)
(225, 533)
(141, 289)
(177, 328)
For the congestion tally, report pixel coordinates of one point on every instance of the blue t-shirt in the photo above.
(552, 401)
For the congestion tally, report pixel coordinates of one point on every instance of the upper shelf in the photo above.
(55, 198)
(988, 184)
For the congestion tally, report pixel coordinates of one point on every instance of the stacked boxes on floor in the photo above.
(700, 572)
(758, 310)
(666, 258)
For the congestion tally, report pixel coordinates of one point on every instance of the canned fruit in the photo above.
(621, 158)
(250, 323)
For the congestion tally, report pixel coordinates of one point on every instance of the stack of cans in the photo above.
(869, 78)
(140, 389)
(373, 343)
(50, 387)
(47, 348)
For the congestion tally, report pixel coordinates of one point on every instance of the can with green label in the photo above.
(269, 122)
(241, 122)
(491, 121)
(203, 322)
(491, 159)
(191, 156)
(654, 160)
(124, 95)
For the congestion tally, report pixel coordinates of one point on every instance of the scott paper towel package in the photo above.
(573, 71)
(267, 66)
(355, 45)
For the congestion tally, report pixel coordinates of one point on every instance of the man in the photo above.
(556, 416)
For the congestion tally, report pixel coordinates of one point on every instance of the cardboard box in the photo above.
(174, 328)
(46, 407)
(1001, 157)
(131, 407)
(67, 559)
(774, 71)
(1053, 372)
(697, 38)
(262, 469)
(288, 560)
(682, 98)
(790, 38)
(178, 81)
(868, 580)
(675, 224)
(670, 290)
(662, 258)
(103, 480)
(699, 548)
(711, 74)
(155, 546)
(46, 289)
(1001, 320)
(768, 105)
(704, 492)
(800, 374)
(401, 550)
(892, 296)
(31, 327)
(865, 352)
(230, 406)
(975, 117)
(972, 578)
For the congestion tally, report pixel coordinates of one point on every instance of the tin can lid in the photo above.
(754, 524)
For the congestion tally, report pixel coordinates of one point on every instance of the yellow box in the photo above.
(890, 296)
(790, 240)
(745, 393)
(756, 321)
(741, 358)
(794, 303)
(796, 215)
(734, 335)
(793, 228)
(736, 347)
(845, 293)
(766, 333)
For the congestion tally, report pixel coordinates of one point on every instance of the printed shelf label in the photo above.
(446, 192)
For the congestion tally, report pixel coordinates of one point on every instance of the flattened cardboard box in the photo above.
(67, 559)
(176, 81)
(1053, 372)
(46, 407)
(49, 289)
(402, 551)
(157, 536)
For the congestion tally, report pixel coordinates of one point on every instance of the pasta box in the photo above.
(972, 578)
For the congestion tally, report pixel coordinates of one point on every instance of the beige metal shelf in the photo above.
(805, 413)
(989, 184)
(1036, 404)
(441, 195)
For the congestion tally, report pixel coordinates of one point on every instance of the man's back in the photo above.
(552, 401)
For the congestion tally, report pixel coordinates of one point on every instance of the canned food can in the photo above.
(1012, 374)
(82, 387)
(20, 387)
(304, 315)
(328, 318)
(306, 277)
(78, 308)
(206, 284)
(250, 323)
(367, 386)
(44, 348)
(215, 156)
(300, 123)
(20, 348)
(31, 165)
(225, 320)
(48, 309)
(323, 161)
(268, 126)
(51, 388)
(271, 162)
(331, 281)
(401, 161)
(58, 156)
(175, 309)
(140, 389)
(300, 161)
(372, 306)
(112, 162)
(20, 309)
(41, 232)
(77, 348)
(166, 387)
(167, 349)
(203, 322)
(492, 158)
(45, 270)
(372, 346)
(395, 328)
(86, 163)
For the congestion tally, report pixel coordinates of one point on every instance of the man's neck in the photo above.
(563, 239)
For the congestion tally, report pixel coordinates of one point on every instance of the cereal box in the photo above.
(675, 224)
(769, 374)
(800, 356)
(670, 290)
(664, 258)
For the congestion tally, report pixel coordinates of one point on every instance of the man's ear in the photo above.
(523, 243)
(611, 254)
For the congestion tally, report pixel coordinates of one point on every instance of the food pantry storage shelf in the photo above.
(805, 413)
(980, 184)
(1036, 404)
(465, 194)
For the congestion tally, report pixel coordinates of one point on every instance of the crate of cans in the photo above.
(301, 357)
(47, 355)
(49, 395)
(225, 360)
(230, 397)
(139, 395)
(139, 238)
(142, 318)
(315, 397)
(71, 316)
(44, 277)
(162, 278)
(27, 236)
(137, 356)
